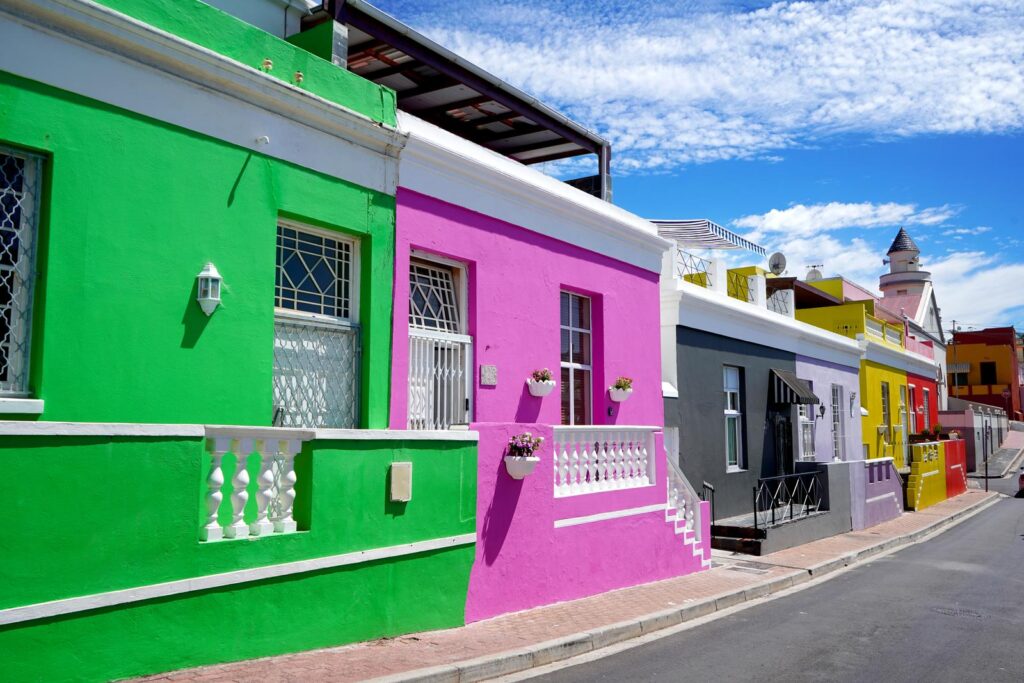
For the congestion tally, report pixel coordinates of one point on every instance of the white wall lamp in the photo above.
(208, 288)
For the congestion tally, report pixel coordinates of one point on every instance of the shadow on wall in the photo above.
(193, 319)
(529, 405)
(499, 515)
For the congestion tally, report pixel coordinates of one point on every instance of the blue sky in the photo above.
(816, 128)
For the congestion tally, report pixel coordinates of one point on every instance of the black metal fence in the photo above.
(779, 499)
(707, 493)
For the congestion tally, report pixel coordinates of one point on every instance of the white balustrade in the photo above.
(274, 486)
(588, 459)
(683, 500)
(874, 328)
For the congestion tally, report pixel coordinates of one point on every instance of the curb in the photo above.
(541, 654)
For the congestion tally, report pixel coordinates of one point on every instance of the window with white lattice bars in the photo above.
(317, 344)
(20, 180)
(440, 351)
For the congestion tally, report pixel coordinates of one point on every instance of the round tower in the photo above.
(905, 276)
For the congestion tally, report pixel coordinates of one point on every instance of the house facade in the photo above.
(197, 239)
(985, 368)
(502, 271)
(763, 402)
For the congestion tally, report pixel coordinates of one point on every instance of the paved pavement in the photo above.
(1005, 460)
(536, 637)
(951, 609)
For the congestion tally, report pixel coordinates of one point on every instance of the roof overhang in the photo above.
(438, 86)
(704, 234)
(807, 296)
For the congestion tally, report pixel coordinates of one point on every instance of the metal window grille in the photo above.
(440, 356)
(433, 300)
(20, 179)
(316, 343)
(316, 377)
(314, 273)
(738, 286)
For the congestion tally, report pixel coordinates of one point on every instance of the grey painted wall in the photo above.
(698, 412)
(835, 478)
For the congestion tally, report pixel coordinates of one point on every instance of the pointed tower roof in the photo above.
(903, 242)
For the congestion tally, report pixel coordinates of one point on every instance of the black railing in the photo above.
(779, 302)
(739, 286)
(778, 499)
(707, 494)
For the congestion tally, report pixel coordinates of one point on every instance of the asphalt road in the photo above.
(949, 609)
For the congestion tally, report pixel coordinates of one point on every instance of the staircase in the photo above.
(682, 511)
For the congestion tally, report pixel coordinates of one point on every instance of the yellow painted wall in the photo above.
(975, 354)
(832, 285)
(890, 443)
(926, 485)
(846, 319)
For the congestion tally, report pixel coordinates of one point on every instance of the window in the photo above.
(927, 409)
(886, 417)
(838, 425)
(960, 379)
(732, 385)
(988, 372)
(576, 348)
(913, 409)
(20, 177)
(805, 428)
(440, 351)
(316, 330)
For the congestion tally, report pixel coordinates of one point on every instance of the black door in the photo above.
(782, 432)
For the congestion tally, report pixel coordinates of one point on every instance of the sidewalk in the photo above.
(1003, 460)
(523, 640)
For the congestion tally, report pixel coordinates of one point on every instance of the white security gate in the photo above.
(316, 377)
(439, 373)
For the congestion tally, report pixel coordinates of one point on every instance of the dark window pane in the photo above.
(564, 307)
(565, 347)
(581, 397)
(565, 396)
(581, 348)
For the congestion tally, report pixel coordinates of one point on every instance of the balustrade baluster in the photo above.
(261, 526)
(239, 490)
(645, 462)
(602, 462)
(286, 452)
(212, 530)
(574, 466)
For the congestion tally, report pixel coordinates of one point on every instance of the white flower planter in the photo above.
(519, 466)
(540, 389)
(619, 395)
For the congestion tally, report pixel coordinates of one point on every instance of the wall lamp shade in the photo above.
(208, 288)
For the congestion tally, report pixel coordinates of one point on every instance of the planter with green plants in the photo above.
(621, 390)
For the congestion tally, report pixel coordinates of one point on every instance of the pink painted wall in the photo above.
(514, 281)
(515, 277)
(523, 561)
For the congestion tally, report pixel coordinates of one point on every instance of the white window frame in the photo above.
(733, 415)
(23, 291)
(913, 408)
(838, 422)
(886, 407)
(804, 426)
(352, 321)
(574, 367)
(926, 400)
(460, 282)
(349, 324)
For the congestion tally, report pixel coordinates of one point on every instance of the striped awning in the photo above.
(704, 234)
(958, 367)
(788, 388)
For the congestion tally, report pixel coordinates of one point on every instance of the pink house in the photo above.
(499, 271)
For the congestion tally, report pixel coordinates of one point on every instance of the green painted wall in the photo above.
(125, 512)
(134, 209)
(215, 30)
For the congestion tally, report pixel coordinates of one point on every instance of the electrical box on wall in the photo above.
(401, 482)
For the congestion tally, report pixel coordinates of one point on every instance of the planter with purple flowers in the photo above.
(520, 460)
(541, 383)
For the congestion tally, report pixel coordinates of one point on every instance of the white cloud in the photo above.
(803, 221)
(971, 287)
(676, 83)
(959, 232)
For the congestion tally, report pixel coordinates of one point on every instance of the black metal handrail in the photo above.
(739, 286)
(693, 268)
(785, 497)
(707, 494)
(778, 302)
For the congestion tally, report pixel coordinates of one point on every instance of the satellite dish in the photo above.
(813, 275)
(777, 263)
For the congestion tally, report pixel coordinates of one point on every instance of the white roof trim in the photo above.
(702, 309)
(443, 165)
(907, 361)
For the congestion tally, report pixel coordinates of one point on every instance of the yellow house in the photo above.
(885, 363)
